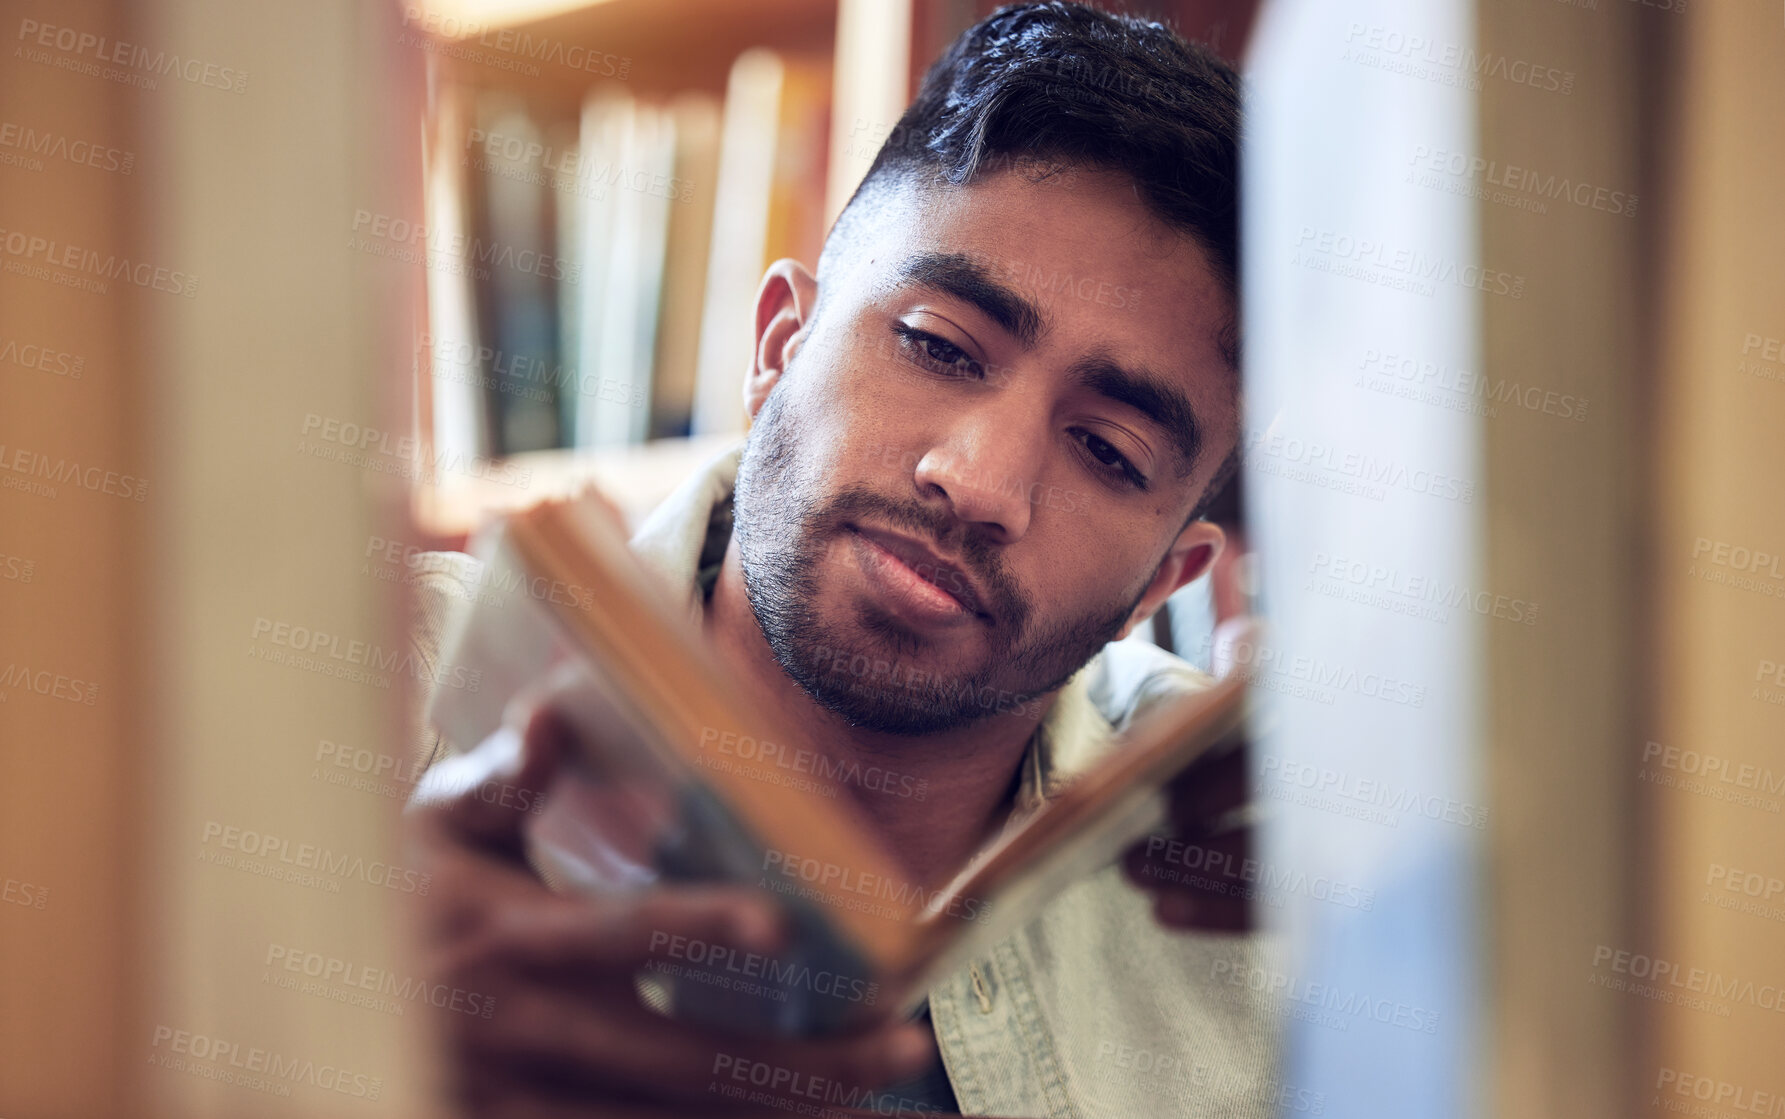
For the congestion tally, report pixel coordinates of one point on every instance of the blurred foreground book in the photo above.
(679, 777)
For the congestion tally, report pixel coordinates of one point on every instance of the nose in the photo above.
(985, 466)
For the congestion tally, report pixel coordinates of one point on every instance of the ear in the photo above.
(1191, 554)
(784, 304)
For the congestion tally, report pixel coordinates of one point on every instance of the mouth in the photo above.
(928, 579)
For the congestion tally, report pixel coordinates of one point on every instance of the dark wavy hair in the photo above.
(1063, 83)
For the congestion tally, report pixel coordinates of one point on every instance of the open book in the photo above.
(656, 796)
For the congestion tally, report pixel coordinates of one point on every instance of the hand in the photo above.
(568, 1035)
(1201, 875)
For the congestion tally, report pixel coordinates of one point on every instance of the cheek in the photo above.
(866, 370)
(843, 388)
(813, 427)
(871, 420)
(1079, 566)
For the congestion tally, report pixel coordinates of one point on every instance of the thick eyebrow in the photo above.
(1151, 396)
(961, 277)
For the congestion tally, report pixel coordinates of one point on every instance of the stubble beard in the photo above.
(872, 674)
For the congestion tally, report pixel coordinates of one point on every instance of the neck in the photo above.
(966, 775)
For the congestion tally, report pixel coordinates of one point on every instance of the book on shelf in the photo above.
(658, 212)
(648, 798)
(688, 240)
(770, 193)
(622, 220)
(512, 202)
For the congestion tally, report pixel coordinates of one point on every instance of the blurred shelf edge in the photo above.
(540, 47)
(550, 54)
(636, 477)
(456, 15)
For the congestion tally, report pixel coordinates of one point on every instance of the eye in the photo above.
(936, 353)
(1111, 461)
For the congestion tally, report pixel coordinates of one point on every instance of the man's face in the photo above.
(982, 449)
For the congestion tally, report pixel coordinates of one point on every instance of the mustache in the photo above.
(947, 534)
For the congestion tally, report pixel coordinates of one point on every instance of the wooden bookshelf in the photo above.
(670, 46)
(636, 478)
(544, 59)
(546, 56)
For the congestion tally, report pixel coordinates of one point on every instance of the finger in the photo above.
(524, 1097)
(1162, 863)
(640, 1052)
(1203, 913)
(484, 797)
(530, 1089)
(626, 931)
(1203, 793)
(530, 1093)
(1205, 885)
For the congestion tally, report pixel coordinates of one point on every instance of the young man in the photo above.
(982, 433)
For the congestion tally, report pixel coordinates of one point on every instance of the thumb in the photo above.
(1237, 642)
(486, 796)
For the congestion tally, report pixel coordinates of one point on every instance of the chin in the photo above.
(875, 687)
(891, 710)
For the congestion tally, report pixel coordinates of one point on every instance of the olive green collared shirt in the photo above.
(1090, 1009)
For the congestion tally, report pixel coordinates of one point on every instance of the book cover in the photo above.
(646, 802)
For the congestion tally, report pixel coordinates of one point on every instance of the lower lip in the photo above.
(911, 593)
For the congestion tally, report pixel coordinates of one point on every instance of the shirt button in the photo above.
(981, 989)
